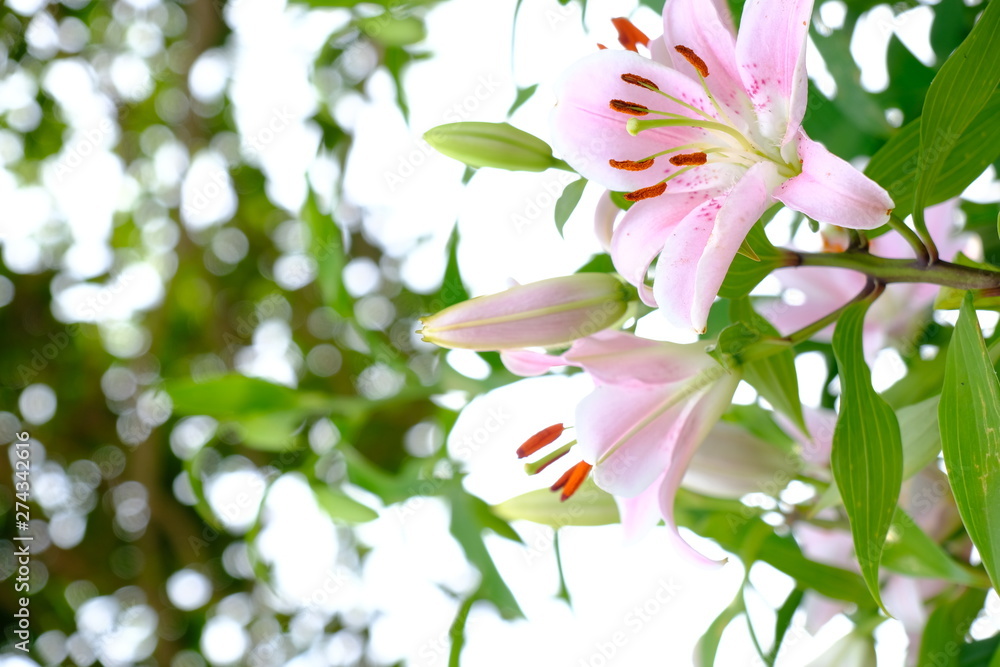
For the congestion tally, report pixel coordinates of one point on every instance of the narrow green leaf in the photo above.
(327, 247)
(234, 396)
(773, 377)
(894, 166)
(867, 456)
(982, 653)
(341, 507)
(960, 90)
(567, 201)
(946, 628)
(467, 529)
(783, 620)
(523, 95)
(708, 645)
(909, 551)
(969, 416)
(452, 288)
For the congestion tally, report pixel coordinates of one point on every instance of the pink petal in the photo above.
(698, 259)
(770, 51)
(587, 133)
(643, 231)
(529, 364)
(623, 359)
(676, 269)
(705, 414)
(701, 27)
(642, 512)
(831, 190)
(605, 215)
(636, 429)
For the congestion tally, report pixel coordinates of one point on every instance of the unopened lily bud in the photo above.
(543, 314)
(498, 145)
(732, 463)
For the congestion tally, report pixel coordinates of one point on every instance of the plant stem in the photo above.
(923, 256)
(904, 270)
(871, 290)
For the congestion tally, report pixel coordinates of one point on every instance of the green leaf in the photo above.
(783, 620)
(867, 456)
(946, 628)
(467, 528)
(341, 507)
(452, 288)
(918, 428)
(744, 273)
(894, 166)
(982, 653)
(773, 377)
(326, 245)
(950, 298)
(233, 396)
(523, 95)
(589, 506)
(909, 551)
(271, 431)
(708, 645)
(969, 416)
(960, 90)
(567, 201)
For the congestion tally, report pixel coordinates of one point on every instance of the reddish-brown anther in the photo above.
(631, 165)
(629, 35)
(637, 80)
(646, 193)
(686, 159)
(631, 108)
(572, 479)
(693, 58)
(544, 437)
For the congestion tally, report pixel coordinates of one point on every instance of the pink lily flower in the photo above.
(704, 137)
(892, 316)
(653, 405)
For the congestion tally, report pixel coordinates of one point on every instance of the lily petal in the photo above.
(771, 53)
(529, 364)
(705, 413)
(640, 513)
(588, 133)
(605, 215)
(630, 433)
(622, 359)
(698, 25)
(830, 190)
(689, 280)
(643, 232)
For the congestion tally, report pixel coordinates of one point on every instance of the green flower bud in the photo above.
(498, 145)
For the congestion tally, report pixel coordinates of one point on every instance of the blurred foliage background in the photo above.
(178, 338)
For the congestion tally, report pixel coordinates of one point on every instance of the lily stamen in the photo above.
(632, 165)
(630, 108)
(647, 193)
(571, 480)
(684, 159)
(545, 437)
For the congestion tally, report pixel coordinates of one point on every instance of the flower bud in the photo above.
(543, 314)
(498, 145)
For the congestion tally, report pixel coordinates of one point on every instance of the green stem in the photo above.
(911, 237)
(871, 291)
(905, 270)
